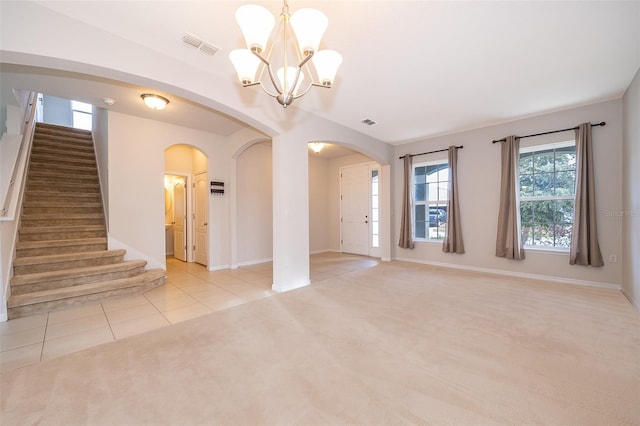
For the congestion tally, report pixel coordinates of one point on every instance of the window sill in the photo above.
(547, 250)
(439, 242)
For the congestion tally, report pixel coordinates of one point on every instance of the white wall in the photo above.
(631, 193)
(479, 187)
(254, 205)
(318, 204)
(100, 134)
(57, 111)
(136, 187)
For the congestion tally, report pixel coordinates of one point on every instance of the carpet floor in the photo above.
(396, 343)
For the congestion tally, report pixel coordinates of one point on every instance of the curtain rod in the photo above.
(430, 152)
(602, 123)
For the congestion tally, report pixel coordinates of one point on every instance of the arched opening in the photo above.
(344, 209)
(186, 204)
(254, 204)
(344, 201)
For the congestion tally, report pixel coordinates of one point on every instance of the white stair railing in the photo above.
(17, 162)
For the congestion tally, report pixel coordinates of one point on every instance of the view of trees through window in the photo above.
(431, 191)
(547, 190)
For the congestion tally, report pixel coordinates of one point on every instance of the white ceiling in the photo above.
(418, 68)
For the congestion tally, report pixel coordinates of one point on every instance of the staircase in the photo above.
(61, 254)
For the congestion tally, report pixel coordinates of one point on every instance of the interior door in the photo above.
(355, 209)
(201, 209)
(179, 225)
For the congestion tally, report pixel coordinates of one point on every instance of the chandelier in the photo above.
(305, 27)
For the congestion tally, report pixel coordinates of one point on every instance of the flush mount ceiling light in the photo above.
(316, 146)
(155, 102)
(305, 27)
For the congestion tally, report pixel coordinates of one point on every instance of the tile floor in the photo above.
(191, 291)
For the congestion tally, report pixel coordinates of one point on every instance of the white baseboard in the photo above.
(252, 262)
(631, 300)
(3, 317)
(516, 274)
(281, 288)
(219, 267)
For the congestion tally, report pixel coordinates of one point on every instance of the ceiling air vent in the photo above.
(368, 122)
(199, 44)
(192, 40)
(208, 48)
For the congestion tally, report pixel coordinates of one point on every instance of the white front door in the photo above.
(354, 185)
(201, 209)
(179, 224)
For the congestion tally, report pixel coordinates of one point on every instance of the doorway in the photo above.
(359, 209)
(186, 204)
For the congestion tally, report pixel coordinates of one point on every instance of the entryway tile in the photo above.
(61, 329)
(186, 313)
(75, 313)
(20, 357)
(139, 325)
(76, 342)
(21, 338)
(131, 313)
(24, 323)
(125, 302)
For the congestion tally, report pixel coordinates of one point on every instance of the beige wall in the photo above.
(136, 186)
(179, 159)
(479, 187)
(631, 193)
(254, 205)
(318, 204)
(254, 232)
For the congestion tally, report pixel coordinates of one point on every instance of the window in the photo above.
(547, 193)
(81, 115)
(431, 190)
(375, 209)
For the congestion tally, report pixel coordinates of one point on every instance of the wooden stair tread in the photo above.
(76, 272)
(41, 216)
(64, 257)
(60, 204)
(83, 289)
(56, 243)
(68, 194)
(62, 228)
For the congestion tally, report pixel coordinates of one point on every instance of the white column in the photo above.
(290, 213)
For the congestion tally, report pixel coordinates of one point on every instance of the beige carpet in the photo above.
(393, 344)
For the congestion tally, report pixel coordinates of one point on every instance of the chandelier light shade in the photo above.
(286, 77)
(327, 63)
(256, 24)
(155, 102)
(309, 26)
(246, 65)
(301, 33)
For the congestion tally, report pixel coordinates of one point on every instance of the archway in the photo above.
(186, 204)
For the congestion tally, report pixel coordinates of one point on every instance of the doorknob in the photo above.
(205, 224)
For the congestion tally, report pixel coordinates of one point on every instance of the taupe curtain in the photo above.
(585, 249)
(453, 234)
(406, 234)
(509, 239)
